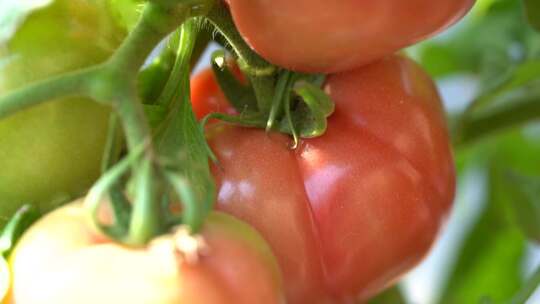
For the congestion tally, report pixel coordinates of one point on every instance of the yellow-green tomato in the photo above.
(5, 278)
(53, 151)
(62, 259)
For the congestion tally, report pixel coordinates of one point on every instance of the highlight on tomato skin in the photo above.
(383, 168)
(62, 259)
(326, 37)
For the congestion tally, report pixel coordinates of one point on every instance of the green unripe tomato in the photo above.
(53, 151)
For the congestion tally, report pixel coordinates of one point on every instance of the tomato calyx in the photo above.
(275, 98)
(298, 106)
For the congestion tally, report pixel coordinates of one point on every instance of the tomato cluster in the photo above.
(337, 219)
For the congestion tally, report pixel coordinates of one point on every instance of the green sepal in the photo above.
(153, 78)
(180, 141)
(310, 114)
(242, 97)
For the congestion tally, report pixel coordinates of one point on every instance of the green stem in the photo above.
(517, 112)
(146, 218)
(134, 122)
(155, 23)
(113, 146)
(71, 84)
(259, 71)
(249, 61)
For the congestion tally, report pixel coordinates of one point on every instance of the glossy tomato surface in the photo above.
(330, 36)
(62, 259)
(351, 211)
(205, 87)
(53, 151)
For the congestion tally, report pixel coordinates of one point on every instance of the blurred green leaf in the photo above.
(511, 113)
(153, 78)
(518, 150)
(532, 10)
(180, 139)
(524, 195)
(488, 43)
(515, 78)
(390, 296)
(13, 13)
(489, 265)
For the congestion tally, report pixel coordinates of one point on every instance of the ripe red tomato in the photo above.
(62, 259)
(349, 212)
(330, 36)
(206, 88)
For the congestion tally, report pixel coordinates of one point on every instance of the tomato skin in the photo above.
(366, 199)
(403, 182)
(205, 87)
(258, 183)
(62, 259)
(53, 151)
(315, 36)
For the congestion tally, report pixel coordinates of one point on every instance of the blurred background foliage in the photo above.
(494, 56)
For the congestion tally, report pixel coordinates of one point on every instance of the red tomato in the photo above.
(206, 88)
(63, 260)
(329, 36)
(351, 211)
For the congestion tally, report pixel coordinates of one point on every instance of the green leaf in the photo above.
(390, 296)
(152, 79)
(517, 77)
(181, 141)
(492, 39)
(241, 96)
(524, 196)
(532, 10)
(310, 115)
(13, 14)
(511, 113)
(489, 265)
(155, 114)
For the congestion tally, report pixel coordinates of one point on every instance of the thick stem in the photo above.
(155, 24)
(250, 62)
(71, 84)
(517, 112)
(259, 71)
(134, 122)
